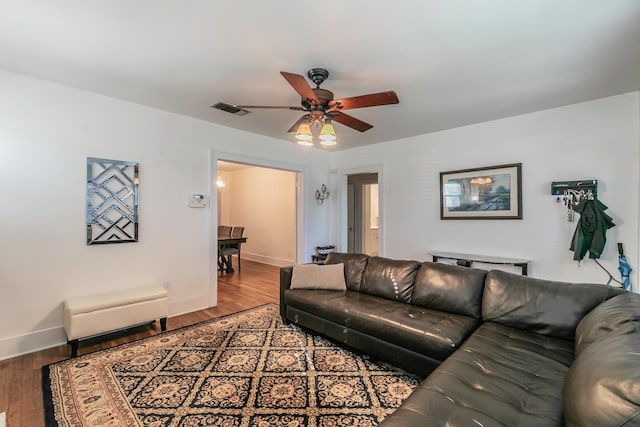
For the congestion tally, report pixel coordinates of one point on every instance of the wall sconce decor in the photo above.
(322, 194)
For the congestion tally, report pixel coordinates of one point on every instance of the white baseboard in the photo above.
(279, 262)
(33, 341)
(3, 419)
(177, 308)
(53, 337)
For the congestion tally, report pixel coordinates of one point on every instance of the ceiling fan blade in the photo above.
(273, 107)
(371, 100)
(350, 121)
(300, 84)
(297, 124)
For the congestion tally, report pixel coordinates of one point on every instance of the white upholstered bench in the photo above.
(96, 314)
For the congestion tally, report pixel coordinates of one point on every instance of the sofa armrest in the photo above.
(285, 283)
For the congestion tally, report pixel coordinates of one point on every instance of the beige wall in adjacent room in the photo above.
(263, 201)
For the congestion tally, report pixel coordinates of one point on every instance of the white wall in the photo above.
(598, 139)
(46, 133)
(264, 202)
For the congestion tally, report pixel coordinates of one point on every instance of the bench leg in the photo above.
(163, 324)
(74, 347)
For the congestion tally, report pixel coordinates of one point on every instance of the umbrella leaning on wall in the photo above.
(624, 268)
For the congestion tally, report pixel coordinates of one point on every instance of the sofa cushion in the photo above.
(354, 265)
(540, 306)
(619, 315)
(429, 332)
(501, 376)
(389, 278)
(602, 388)
(449, 288)
(313, 276)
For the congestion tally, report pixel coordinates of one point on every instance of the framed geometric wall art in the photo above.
(112, 201)
(482, 193)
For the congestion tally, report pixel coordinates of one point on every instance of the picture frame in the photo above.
(493, 192)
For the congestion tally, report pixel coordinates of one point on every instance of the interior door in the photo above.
(363, 228)
(370, 219)
(351, 226)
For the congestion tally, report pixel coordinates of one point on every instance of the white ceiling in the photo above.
(451, 62)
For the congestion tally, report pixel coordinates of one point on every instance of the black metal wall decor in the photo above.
(112, 201)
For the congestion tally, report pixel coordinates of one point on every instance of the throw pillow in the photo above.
(315, 276)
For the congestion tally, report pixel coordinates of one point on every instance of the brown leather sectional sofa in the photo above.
(497, 349)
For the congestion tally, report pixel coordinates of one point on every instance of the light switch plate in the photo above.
(197, 200)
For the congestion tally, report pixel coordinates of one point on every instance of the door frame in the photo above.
(342, 215)
(301, 216)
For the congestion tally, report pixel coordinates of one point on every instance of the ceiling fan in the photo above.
(320, 105)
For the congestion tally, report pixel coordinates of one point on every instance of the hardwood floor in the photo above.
(20, 377)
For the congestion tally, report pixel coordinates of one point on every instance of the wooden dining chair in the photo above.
(233, 248)
(224, 230)
(237, 231)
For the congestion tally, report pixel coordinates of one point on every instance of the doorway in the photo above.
(363, 225)
(260, 189)
(263, 201)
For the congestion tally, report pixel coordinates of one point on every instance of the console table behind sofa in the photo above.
(467, 260)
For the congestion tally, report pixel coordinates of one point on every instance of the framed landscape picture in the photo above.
(482, 193)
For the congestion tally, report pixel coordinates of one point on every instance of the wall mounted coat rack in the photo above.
(560, 188)
(573, 192)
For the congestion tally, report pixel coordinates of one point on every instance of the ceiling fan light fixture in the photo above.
(303, 135)
(327, 134)
(328, 140)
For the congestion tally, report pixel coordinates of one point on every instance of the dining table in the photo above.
(225, 263)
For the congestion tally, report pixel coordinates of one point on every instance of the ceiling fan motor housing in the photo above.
(318, 75)
(323, 95)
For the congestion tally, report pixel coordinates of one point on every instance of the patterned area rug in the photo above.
(245, 369)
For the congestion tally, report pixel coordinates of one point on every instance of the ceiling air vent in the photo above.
(230, 109)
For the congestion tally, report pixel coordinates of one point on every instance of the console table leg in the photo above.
(525, 268)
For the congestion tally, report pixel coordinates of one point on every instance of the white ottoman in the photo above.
(96, 314)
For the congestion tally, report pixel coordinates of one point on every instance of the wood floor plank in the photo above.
(21, 378)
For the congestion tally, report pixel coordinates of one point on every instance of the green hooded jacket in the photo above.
(591, 232)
